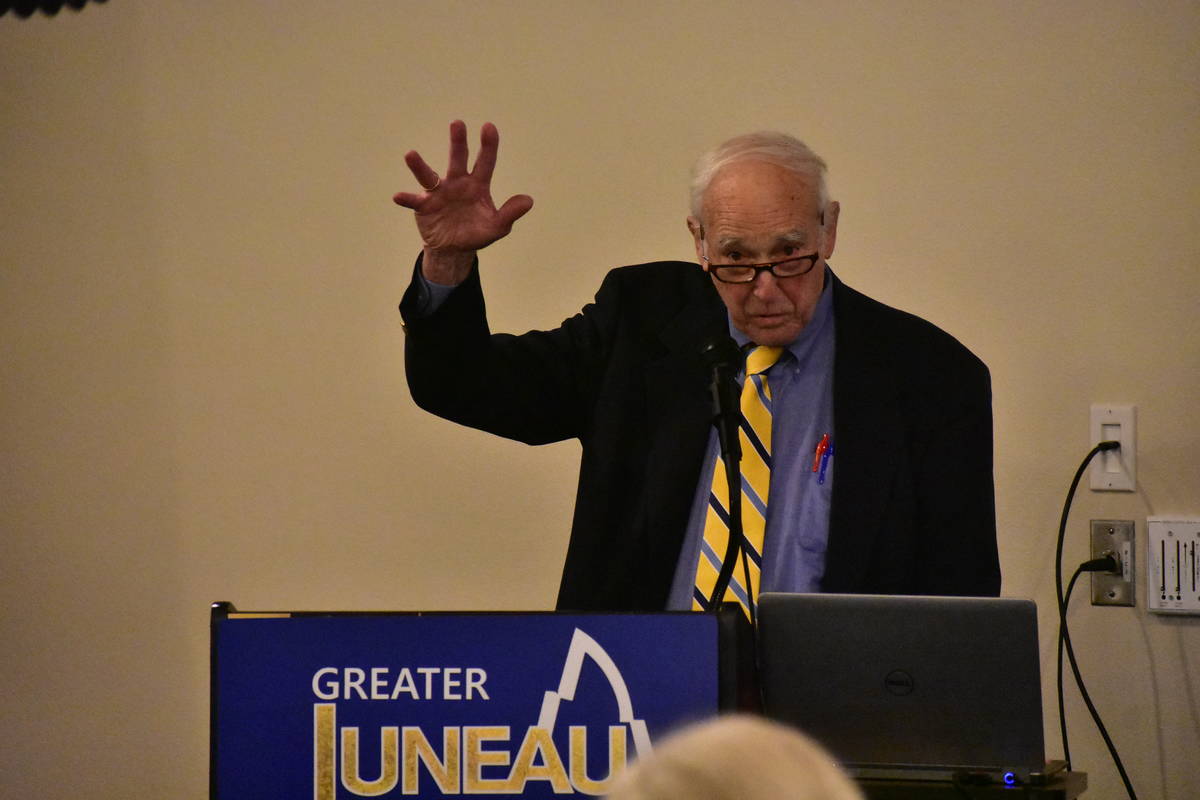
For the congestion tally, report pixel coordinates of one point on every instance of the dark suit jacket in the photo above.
(912, 511)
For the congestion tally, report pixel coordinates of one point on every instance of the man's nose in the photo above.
(766, 285)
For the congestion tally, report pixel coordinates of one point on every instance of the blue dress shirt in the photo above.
(798, 504)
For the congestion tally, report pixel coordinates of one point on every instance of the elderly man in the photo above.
(866, 431)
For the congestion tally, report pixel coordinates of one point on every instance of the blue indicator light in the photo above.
(1009, 779)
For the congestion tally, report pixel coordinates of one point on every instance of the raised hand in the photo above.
(455, 213)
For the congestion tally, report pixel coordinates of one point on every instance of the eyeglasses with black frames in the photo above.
(792, 267)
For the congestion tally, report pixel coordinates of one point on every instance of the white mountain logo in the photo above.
(584, 645)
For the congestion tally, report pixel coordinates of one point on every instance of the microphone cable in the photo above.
(1106, 564)
(725, 360)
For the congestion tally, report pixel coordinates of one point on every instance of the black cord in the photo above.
(751, 605)
(1065, 638)
(1106, 564)
(1062, 532)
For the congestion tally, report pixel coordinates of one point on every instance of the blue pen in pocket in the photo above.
(828, 454)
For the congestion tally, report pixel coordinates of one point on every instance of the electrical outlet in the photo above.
(1173, 565)
(1114, 470)
(1113, 537)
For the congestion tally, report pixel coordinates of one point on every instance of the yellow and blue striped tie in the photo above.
(755, 435)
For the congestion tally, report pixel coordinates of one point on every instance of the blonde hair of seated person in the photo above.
(736, 758)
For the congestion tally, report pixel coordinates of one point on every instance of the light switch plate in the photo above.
(1114, 470)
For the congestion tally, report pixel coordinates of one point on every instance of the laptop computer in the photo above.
(925, 688)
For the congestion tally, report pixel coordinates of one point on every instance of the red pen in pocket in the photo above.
(822, 446)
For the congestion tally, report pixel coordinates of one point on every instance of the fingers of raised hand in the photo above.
(407, 199)
(458, 149)
(425, 174)
(460, 183)
(485, 162)
(513, 209)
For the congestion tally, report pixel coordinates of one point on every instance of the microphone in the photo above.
(724, 360)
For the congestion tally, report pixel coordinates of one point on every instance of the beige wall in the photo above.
(203, 395)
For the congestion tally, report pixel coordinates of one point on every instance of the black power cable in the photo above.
(1062, 532)
(1107, 564)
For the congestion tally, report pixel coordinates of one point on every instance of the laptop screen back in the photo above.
(899, 686)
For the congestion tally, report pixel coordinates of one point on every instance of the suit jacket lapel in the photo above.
(868, 434)
(679, 416)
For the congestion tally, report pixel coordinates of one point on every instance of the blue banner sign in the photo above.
(345, 705)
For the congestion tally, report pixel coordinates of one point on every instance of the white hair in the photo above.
(770, 146)
(736, 757)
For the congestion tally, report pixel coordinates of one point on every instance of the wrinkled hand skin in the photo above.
(455, 213)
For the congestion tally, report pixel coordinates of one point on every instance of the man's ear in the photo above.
(829, 228)
(697, 230)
